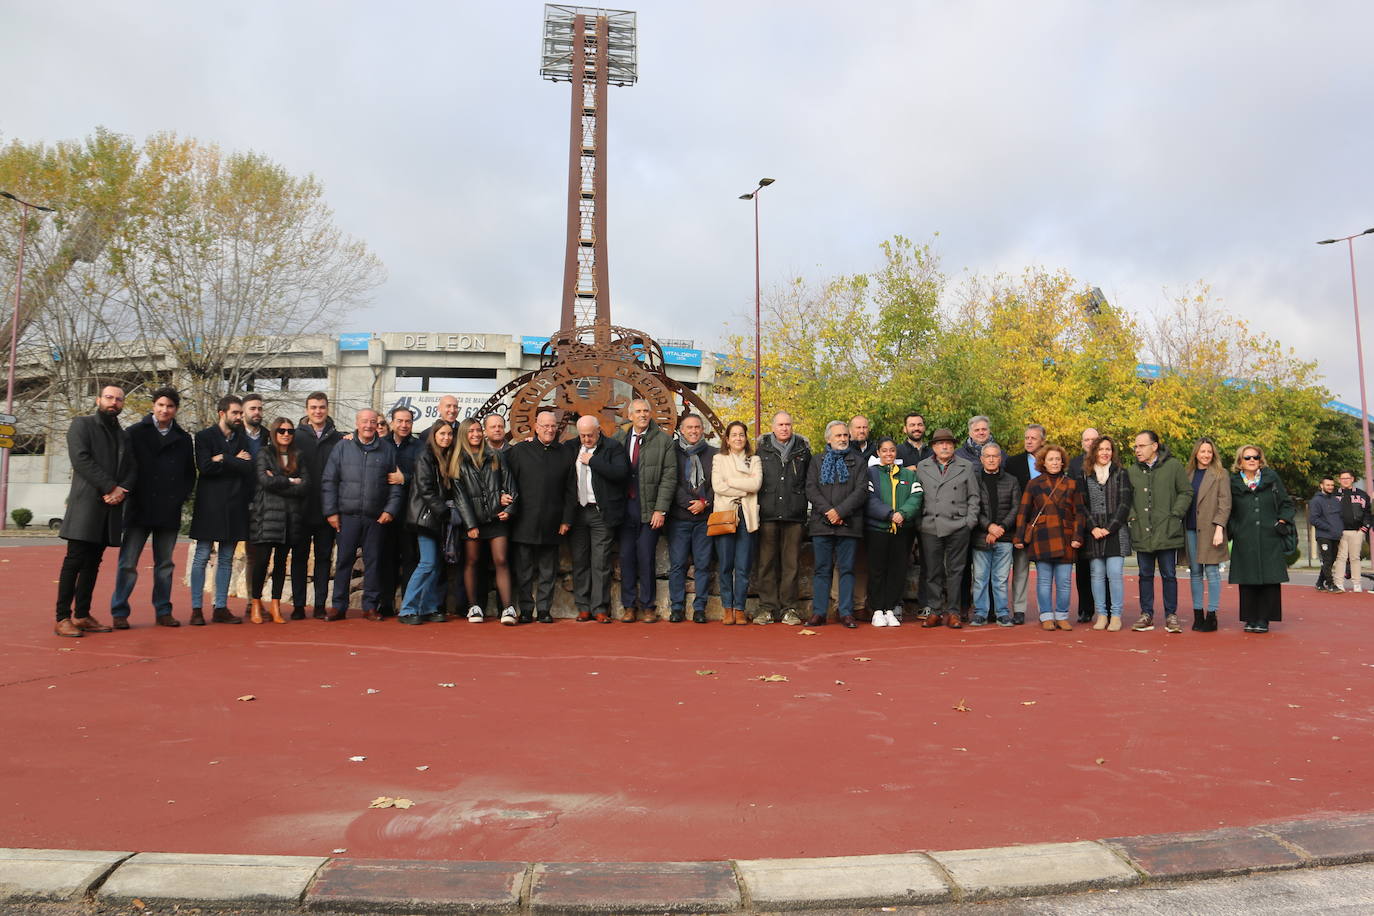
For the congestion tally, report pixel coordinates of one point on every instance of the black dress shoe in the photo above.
(298, 613)
(436, 617)
(320, 614)
(120, 623)
(698, 617)
(1018, 619)
(413, 620)
(545, 618)
(197, 618)
(526, 617)
(676, 616)
(167, 620)
(816, 620)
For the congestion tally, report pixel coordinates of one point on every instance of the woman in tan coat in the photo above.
(736, 476)
(1204, 528)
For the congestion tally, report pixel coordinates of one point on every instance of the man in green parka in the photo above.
(1159, 503)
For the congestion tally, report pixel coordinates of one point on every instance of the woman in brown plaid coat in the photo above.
(1049, 525)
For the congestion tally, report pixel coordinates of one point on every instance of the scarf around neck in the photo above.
(834, 469)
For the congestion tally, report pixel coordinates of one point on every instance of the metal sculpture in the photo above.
(591, 367)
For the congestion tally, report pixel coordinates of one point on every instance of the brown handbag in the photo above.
(724, 522)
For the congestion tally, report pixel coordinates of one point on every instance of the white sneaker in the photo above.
(509, 617)
(880, 618)
(892, 620)
(475, 614)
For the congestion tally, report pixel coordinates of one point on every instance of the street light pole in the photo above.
(1359, 360)
(758, 298)
(25, 206)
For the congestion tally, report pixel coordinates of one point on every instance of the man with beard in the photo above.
(400, 549)
(166, 476)
(103, 473)
(688, 542)
(220, 517)
(541, 467)
(1324, 515)
(914, 448)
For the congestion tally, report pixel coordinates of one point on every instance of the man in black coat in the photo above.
(359, 501)
(595, 501)
(1082, 576)
(103, 474)
(687, 521)
(541, 467)
(220, 516)
(166, 476)
(1023, 468)
(400, 550)
(316, 438)
(783, 510)
(914, 448)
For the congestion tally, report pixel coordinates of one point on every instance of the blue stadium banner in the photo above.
(354, 341)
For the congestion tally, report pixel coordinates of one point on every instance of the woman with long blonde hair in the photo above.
(486, 492)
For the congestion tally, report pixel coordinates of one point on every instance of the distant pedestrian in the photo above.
(1262, 519)
(1324, 515)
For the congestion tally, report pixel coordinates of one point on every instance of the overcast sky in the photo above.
(1143, 147)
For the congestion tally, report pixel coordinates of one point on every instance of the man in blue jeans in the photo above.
(220, 518)
(837, 487)
(1161, 495)
(687, 539)
(166, 477)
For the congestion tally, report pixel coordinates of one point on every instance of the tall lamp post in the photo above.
(25, 207)
(1359, 357)
(758, 297)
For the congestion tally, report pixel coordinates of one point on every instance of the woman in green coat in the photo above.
(893, 507)
(1260, 508)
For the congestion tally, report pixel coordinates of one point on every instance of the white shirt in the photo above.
(585, 494)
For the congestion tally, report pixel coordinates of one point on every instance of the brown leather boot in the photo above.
(727, 616)
(197, 618)
(224, 615)
(275, 610)
(255, 610)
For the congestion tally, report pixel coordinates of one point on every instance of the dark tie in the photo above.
(634, 466)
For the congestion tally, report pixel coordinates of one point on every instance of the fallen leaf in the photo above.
(372, 690)
(961, 749)
(1294, 706)
(1101, 760)
(704, 672)
(841, 683)
(382, 801)
(247, 698)
(69, 649)
(807, 633)
(422, 769)
(772, 678)
(448, 684)
(138, 904)
(1028, 702)
(326, 686)
(961, 707)
(404, 803)
(214, 763)
(340, 849)
(862, 658)
(358, 759)
(1335, 737)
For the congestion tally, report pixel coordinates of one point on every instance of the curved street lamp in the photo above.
(758, 367)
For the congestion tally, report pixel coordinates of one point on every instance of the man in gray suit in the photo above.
(948, 517)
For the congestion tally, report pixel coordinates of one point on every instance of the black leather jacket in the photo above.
(427, 501)
(478, 491)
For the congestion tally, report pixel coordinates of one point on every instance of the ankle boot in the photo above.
(727, 616)
(1199, 621)
(275, 610)
(197, 618)
(1210, 624)
(255, 611)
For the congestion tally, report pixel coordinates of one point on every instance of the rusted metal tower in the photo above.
(593, 49)
(590, 367)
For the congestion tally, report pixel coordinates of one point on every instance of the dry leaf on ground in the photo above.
(1027, 702)
(247, 698)
(138, 904)
(772, 678)
(961, 707)
(386, 801)
(358, 759)
(372, 690)
(704, 672)
(807, 633)
(448, 684)
(404, 803)
(422, 769)
(862, 658)
(841, 683)
(1101, 760)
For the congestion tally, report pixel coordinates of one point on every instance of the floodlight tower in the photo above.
(592, 49)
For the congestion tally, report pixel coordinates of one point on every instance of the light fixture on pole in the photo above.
(1359, 357)
(758, 298)
(14, 351)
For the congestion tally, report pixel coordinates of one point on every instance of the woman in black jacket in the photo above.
(485, 492)
(431, 491)
(1107, 502)
(277, 525)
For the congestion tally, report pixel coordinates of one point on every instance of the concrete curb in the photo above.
(905, 880)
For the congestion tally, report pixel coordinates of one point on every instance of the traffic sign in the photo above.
(6, 429)
(6, 442)
(6, 418)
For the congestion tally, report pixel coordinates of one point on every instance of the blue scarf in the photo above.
(834, 469)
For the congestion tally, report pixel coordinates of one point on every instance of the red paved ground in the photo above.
(587, 742)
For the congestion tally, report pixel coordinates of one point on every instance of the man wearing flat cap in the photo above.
(947, 520)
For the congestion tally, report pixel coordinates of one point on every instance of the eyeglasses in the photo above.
(1249, 457)
(286, 432)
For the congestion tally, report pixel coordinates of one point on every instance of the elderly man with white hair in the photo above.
(595, 502)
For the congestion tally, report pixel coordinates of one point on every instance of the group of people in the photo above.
(446, 517)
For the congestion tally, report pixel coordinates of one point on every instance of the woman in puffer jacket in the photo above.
(277, 519)
(894, 506)
(485, 492)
